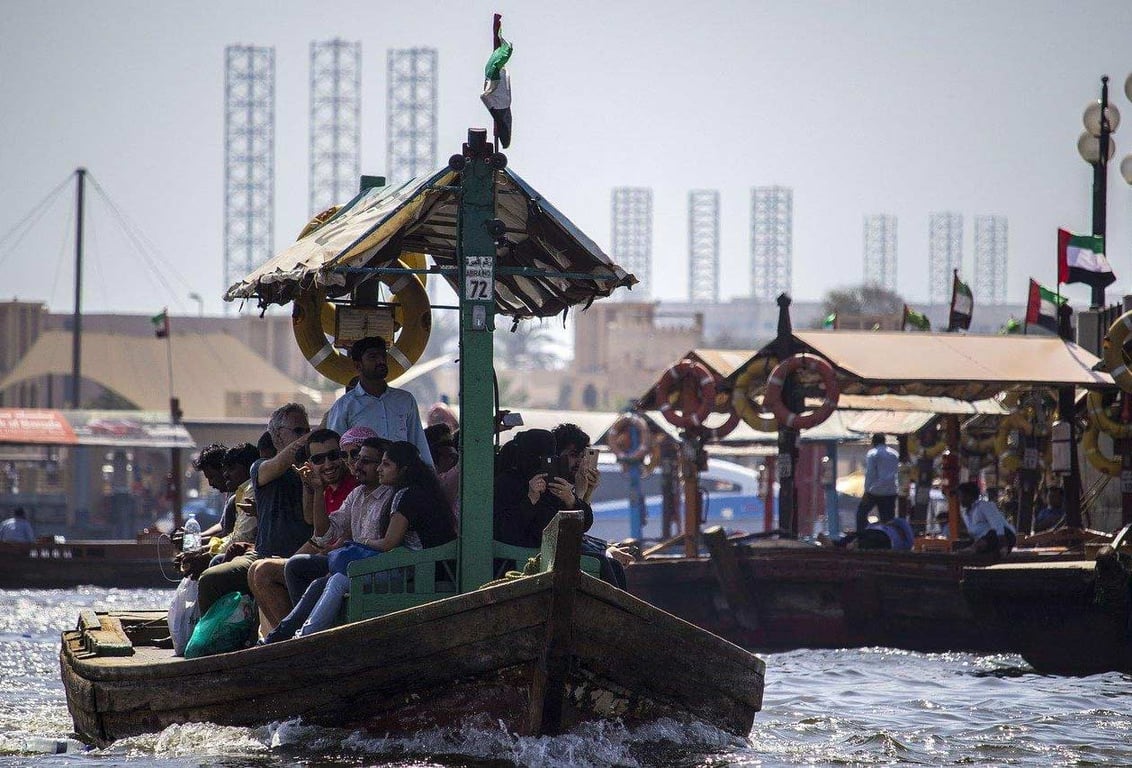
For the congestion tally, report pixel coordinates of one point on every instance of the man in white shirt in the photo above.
(985, 523)
(17, 528)
(390, 412)
(881, 466)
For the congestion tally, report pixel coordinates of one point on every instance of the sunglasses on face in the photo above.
(297, 430)
(319, 458)
(355, 453)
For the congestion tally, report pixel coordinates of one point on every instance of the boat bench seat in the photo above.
(404, 578)
(104, 635)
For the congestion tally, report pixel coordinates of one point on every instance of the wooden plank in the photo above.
(562, 551)
(88, 620)
(732, 582)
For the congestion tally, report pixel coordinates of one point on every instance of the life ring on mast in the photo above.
(1098, 415)
(744, 406)
(1017, 421)
(693, 409)
(413, 315)
(713, 434)
(1106, 464)
(621, 438)
(777, 378)
(1113, 351)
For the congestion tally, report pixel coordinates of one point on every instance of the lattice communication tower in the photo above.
(632, 236)
(772, 241)
(880, 250)
(411, 113)
(703, 245)
(336, 82)
(990, 258)
(945, 254)
(249, 159)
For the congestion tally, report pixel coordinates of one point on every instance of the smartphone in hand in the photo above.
(591, 458)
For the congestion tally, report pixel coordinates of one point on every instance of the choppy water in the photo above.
(852, 707)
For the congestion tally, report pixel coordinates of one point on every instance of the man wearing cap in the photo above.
(390, 412)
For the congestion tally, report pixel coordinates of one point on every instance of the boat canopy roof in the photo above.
(382, 224)
(957, 366)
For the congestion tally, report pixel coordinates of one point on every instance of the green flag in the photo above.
(830, 321)
(160, 324)
(917, 320)
(1013, 325)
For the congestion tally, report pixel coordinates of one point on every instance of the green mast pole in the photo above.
(476, 258)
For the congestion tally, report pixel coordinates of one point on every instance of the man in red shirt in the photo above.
(326, 484)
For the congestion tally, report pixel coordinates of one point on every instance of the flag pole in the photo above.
(174, 419)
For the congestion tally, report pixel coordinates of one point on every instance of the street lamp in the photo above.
(200, 303)
(1097, 147)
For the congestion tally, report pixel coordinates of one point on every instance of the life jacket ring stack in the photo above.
(715, 434)
(744, 406)
(777, 378)
(1113, 351)
(621, 438)
(693, 408)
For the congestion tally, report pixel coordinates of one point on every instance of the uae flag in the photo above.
(1041, 309)
(962, 304)
(830, 321)
(1081, 259)
(917, 320)
(496, 94)
(160, 324)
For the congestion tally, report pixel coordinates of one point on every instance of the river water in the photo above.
(849, 707)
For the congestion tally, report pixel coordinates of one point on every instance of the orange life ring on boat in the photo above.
(778, 378)
(621, 438)
(1098, 415)
(1113, 351)
(413, 314)
(743, 405)
(1109, 465)
(694, 409)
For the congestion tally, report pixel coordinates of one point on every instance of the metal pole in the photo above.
(1100, 186)
(77, 317)
(1066, 407)
(476, 257)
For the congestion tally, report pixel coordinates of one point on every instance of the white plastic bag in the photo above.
(184, 614)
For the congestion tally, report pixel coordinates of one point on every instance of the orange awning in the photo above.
(35, 426)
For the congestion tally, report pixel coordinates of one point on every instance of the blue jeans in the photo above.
(300, 571)
(293, 621)
(328, 607)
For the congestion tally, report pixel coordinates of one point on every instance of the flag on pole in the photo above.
(1041, 309)
(917, 320)
(161, 324)
(496, 94)
(1081, 259)
(830, 321)
(962, 305)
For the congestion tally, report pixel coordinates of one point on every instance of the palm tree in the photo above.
(528, 347)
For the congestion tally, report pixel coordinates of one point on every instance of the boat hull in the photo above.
(793, 597)
(124, 564)
(479, 653)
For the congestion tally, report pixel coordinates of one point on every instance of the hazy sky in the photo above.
(899, 107)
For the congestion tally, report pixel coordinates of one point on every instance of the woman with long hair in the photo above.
(416, 516)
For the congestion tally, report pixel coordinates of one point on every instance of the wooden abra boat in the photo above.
(783, 594)
(47, 564)
(539, 653)
(1067, 618)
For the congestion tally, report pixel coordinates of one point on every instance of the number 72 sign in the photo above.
(479, 278)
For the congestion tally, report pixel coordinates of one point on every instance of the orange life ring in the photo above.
(1099, 415)
(745, 405)
(621, 439)
(777, 378)
(693, 409)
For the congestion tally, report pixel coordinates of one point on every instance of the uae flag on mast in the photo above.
(496, 94)
(1041, 309)
(1081, 259)
(962, 304)
(161, 324)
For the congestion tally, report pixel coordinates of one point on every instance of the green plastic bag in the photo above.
(225, 627)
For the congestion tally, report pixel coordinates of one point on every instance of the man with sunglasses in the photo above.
(326, 484)
(282, 522)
